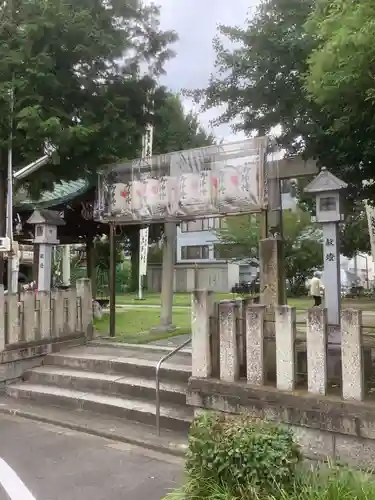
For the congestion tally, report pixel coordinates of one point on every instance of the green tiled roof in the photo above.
(62, 193)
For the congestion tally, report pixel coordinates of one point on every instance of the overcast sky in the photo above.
(196, 24)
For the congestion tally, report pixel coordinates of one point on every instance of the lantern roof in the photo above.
(325, 182)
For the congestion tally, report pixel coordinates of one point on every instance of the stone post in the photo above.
(44, 299)
(215, 341)
(272, 281)
(255, 343)
(229, 362)
(201, 307)
(351, 354)
(2, 319)
(316, 337)
(13, 319)
(28, 327)
(332, 282)
(285, 333)
(83, 287)
(66, 265)
(169, 258)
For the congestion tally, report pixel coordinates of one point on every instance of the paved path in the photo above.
(57, 464)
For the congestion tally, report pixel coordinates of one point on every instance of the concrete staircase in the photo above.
(115, 380)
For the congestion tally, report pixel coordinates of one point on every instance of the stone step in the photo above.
(149, 352)
(105, 383)
(171, 417)
(135, 365)
(141, 348)
(107, 426)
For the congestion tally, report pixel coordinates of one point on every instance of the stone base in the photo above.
(163, 329)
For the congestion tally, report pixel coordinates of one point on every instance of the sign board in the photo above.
(214, 180)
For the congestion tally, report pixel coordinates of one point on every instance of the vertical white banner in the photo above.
(370, 211)
(143, 251)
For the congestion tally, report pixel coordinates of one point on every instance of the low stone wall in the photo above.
(325, 427)
(326, 407)
(34, 324)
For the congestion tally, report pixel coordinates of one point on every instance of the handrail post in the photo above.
(157, 381)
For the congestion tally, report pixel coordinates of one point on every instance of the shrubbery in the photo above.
(238, 453)
(237, 458)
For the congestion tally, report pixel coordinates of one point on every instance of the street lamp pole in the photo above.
(9, 220)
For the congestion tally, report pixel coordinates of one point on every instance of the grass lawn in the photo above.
(133, 325)
(184, 299)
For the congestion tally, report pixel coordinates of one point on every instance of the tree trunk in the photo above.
(134, 255)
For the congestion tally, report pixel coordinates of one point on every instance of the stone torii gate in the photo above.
(242, 176)
(272, 276)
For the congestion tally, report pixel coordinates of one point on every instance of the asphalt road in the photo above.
(58, 464)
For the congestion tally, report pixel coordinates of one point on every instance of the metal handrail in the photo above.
(157, 380)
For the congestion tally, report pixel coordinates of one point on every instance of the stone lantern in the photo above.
(328, 190)
(46, 223)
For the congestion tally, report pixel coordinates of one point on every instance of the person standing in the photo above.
(316, 289)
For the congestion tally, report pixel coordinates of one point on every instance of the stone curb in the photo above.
(113, 436)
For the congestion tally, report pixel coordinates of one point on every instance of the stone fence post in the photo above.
(201, 307)
(84, 292)
(229, 359)
(255, 342)
(316, 337)
(352, 354)
(285, 334)
(2, 319)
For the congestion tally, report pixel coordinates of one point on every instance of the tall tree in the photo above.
(70, 75)
(303, 246)
(340, 79)
(260, 81)
(176, 130)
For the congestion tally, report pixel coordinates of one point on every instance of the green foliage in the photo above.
(260, 81)
(354, 234)
(123, 272)
(332, 483)
(62, 61)
(339, 66)
(237, 459)
(303, 250)
(328, 483)
(175, 130)
(102, 254)
(241, 453)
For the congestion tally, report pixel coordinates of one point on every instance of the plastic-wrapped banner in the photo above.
(214, 180)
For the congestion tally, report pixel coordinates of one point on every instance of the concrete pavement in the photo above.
(59, 464)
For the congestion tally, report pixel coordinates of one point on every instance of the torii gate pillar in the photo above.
(271, 251)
